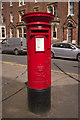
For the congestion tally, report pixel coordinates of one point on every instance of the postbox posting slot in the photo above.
(39, 44)
(39, 31)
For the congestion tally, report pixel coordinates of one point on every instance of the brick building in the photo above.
(64, 27)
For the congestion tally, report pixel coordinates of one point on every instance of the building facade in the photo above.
(64, 27)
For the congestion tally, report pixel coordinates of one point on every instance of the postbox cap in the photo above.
(38, 17)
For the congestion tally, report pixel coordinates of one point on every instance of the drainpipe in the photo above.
(79, 23)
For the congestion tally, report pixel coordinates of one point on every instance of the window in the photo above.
(24, 30)
(70, 8)
(2, 18)
(24, 2)
(19, 32)
(11, 17)
(3, 32)
(20, 17)
(67, 46)
(56, 45)
(52, 9)
(20, 2)
(36, 9)
(61, 45)
(1, 5)
(11, 3)
(11, 32)
(49, 9)
(23, 12)
(54, 31)
(55, 10)
(36, 1)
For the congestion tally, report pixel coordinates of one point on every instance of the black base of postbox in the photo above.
(39, 100)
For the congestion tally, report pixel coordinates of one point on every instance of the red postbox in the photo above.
(39, 60)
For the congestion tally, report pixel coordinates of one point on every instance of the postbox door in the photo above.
(40, 62)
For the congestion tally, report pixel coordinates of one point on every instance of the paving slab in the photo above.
(64, 94)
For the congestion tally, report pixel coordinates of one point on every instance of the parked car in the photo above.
(14, 45)
(65, 50)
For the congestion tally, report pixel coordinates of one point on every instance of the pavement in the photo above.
(64, 93)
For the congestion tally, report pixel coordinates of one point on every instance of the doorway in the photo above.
(70, 33)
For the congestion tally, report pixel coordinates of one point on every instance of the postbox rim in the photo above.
(38, 13)
(27, 17)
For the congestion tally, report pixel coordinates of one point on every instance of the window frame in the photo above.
(20, 2)
(1, 5)
(55, 10)
(1, 37)
(69, 7)
(2, 18)
(11, 3)
(55, 31)
(20, 17)
(2, 32)
(11, 32)
(11, 17)
(49, 10)
(24, 33)
(36, 1)
(24, 2)
(35, 8)
(19, 34)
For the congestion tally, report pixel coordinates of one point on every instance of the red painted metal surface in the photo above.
(37, 17)
(39, 49)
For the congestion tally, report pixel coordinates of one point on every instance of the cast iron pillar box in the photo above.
(39, 60)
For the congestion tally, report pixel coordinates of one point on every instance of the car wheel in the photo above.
(16, 52)
(52, 54)
(78, 57)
